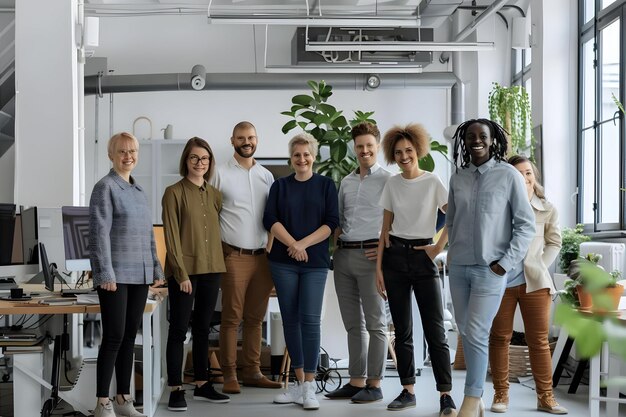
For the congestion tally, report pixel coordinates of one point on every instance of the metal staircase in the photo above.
(7, 85)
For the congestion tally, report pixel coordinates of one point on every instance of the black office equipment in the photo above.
(7, 231)
(30, 235)
(49, 270)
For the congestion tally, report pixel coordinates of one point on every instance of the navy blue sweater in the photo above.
(302, 207)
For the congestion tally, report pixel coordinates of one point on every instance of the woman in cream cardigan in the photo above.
(529, 284)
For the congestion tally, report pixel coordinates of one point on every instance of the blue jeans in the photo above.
(300, 292)
(476, 294)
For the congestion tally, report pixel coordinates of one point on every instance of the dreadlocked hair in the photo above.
(497, 149)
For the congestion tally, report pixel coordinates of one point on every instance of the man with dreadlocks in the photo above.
(490, 225)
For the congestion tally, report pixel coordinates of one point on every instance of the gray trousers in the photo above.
(362, 311)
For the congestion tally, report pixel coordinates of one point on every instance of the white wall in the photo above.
(212, 115)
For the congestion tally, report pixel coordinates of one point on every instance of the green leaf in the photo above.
(297, 107)
(288, 126)
(427, 163)
(321, 119)
(340, 122)
(302, 100)
(309, 115)
(288, 113)
(312, 85)
(327, 109)
(331, 135)
(589, 345)
(303, 125)
(338, 150)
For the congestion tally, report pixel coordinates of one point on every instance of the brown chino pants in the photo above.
(246, 286)
(535, 309)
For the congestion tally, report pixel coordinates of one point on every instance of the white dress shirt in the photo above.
(244, 193)
(360, 216)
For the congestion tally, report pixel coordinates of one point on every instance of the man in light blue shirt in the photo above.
(490, 225)
(362, 308)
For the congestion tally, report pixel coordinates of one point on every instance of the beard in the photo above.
(245, 153)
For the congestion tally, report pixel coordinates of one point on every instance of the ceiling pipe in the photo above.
(262, 81)
(495, 6)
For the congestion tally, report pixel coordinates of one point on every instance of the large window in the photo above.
(601, 132)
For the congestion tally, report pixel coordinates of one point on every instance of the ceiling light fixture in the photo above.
(324, 21)
(399, 46)
(373, 82)
(344, 69)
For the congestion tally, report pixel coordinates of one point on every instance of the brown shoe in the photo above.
(262, 382)
(231, 387)
(500, 402)
(547, 403)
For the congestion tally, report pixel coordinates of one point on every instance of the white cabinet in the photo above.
(157, 169)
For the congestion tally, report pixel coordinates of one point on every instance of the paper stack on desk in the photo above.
(87, 299)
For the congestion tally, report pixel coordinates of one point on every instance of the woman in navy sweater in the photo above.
(301, 212)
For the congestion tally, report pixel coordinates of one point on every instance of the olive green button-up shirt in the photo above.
(192, 230)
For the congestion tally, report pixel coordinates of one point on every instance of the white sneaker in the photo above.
(309, 400)
(126, 410)
(104, 410)
(292, 395)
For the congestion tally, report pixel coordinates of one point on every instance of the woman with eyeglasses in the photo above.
(124, 263)
(193, 266)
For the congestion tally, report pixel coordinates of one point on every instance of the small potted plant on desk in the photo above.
(590, 287)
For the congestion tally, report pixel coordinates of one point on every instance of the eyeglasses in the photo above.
(194, 159)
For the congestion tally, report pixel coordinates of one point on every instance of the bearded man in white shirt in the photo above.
(247, 283)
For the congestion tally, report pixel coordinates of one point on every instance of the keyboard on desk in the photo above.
(73, 292)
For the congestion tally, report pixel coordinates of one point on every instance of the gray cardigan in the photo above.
(121, 241)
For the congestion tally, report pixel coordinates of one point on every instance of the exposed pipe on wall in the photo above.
(182, 81)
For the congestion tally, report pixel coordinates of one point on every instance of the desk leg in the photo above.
(147, 364)
(594, 386)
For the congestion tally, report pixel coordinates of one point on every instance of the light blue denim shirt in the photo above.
(121, 241)
(489, 217)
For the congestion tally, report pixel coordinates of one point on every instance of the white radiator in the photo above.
(612, 254)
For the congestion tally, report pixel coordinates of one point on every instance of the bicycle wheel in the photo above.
(331, 380)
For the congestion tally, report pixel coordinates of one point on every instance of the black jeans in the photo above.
(121, 312)
(205, 288)
(406, 269)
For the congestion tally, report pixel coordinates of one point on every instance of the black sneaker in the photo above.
(346, 392)
(368, 394)
(402, 401)
(446, 406)
(177, 401)
(208, 393)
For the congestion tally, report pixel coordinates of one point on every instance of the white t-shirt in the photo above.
(414, 204)
(244, 194)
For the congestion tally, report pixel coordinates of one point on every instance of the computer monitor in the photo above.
(30, 235)
(279, 167)
(49, 270)
(76, 238)
(7, 232)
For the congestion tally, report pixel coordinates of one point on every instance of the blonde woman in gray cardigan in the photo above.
(124, 263)
(529, 285)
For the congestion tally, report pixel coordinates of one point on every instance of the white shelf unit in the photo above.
(157, 169)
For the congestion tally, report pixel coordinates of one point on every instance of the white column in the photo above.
(554, 98)
(46, 125)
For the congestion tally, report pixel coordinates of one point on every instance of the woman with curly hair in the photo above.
(491, 225)
(405, 261)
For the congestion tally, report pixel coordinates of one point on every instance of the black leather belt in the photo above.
(408, 243)
(243, 251)
(361, 244)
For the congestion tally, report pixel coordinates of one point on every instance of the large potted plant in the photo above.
(313, 114)
(510, 107)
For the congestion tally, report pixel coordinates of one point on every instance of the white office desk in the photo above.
(29, 382)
